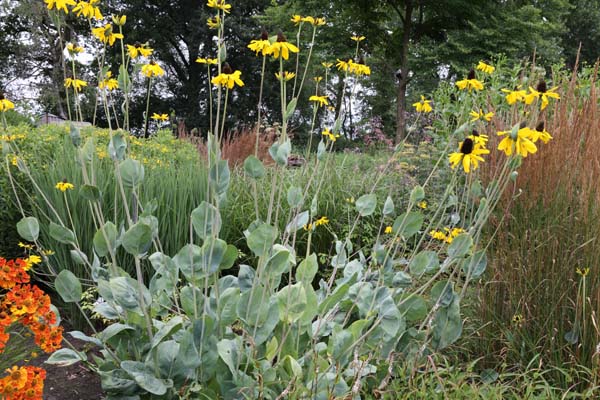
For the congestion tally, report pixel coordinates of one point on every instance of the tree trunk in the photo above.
(403, 76)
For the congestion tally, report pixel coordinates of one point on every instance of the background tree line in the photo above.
(410, 46)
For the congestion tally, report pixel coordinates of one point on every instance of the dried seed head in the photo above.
(541, 87)
(540, 127)
(474, 133)
(471, 74)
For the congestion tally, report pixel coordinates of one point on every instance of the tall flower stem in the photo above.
(146, 118)
(260, 93)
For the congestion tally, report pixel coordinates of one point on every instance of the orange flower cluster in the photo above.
(30, 306)
(12, 272)
(23, 383)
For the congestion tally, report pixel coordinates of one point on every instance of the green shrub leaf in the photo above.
(68, 286)
(29, 228)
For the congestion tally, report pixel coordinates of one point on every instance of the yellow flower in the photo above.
(138, 50)
(64, 186)
(327, 64)
(359, 68)
(76, 84)
(119, 20)
(209, 61)
(283, 48)
(152, 69)
(5, 104)
(319, 21)
(214, 22)
(312, 20)
(488, 69)
(322, 100)
(59, 4)
(109, 82)
(261, 46)
(438, 235)
(422, 204)
(88, 9)
(286, 75)
(322, 221)
(469, 155)
(520, 142)
(296, 19)
(481, 115)
(72, 48)
(478, 138)
(31, 261)
(512, 96)
(470, 83)
(540, 133)
(388, 230)
(160, 117)
(318, 79)
(326, 132)
(48, 253)
(423, 105)
(350, 200)
(357, 38)
(583, 272)
(25, 246)
(343, 65)
(542, 92)
(228, 79)
(518, 320)
(220, 4)
(106, 35)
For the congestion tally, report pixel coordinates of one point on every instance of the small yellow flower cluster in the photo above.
(228, 79)
(139, 50)
(10, 138)
(482, 66)
(64, 186)
(477, 115)
(314, 21)
(106, 35)
(152, 69)
(160, 117)
(447, 235)
(332, 137)
(319, 100)
(108, 83)
(523, 141)
(583, 272)
(313, 225)
(220, 5)
(352, 67)
(73, 48)
(5, 104)
(540, 92)
(88, 9)
(76, 84)
(470, 83)
(208, 61)
(423, 105)
(287, 76)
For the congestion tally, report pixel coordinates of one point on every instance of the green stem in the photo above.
(147, 117)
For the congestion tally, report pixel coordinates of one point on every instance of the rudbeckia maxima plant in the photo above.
(469, 155)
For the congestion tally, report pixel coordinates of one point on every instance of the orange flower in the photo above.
(23, 383)
(12, 272)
